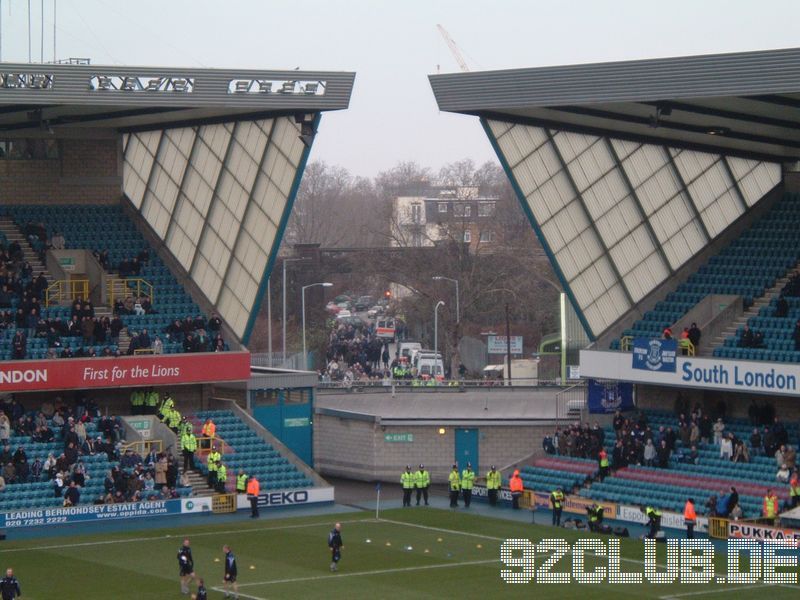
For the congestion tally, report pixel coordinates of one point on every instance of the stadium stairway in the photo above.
(244, 449)
(12, 233)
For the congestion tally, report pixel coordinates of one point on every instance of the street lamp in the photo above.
(436, 333)
(458, 310)
(303, 297)
(286, 260)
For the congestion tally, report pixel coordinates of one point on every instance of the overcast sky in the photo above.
(393, 45)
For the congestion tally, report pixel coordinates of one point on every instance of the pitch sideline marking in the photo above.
(333, 577)
(177, 536)
(239, 594)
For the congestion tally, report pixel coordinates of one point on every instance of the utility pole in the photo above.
(508, 344)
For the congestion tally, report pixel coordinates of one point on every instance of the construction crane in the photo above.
(454, 49)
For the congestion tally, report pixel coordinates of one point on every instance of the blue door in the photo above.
(467, 448)
(288, 415)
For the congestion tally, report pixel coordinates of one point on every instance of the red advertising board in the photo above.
(126, 371)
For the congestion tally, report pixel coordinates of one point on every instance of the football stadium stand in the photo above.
(748, 267)
(667, 488)
(243, 449)
(107, 229)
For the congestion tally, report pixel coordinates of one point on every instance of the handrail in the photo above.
(455, 385)
(66, 290)
(137, 287)
(143, 446)
(626, 343)
(686, 344)
(206, 449)
(144, 351)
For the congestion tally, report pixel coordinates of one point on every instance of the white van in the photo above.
(427, 362)
(406, 349)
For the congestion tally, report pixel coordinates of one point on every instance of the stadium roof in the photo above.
(211, 158)
(42, 95)
(628, 170)
(744, 103)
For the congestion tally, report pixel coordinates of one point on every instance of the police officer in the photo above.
(137, 402)
(151, 401)
(241, 482)
(213, 460)
(166, 405)
(422, 480)
(467, 482)
(557, 504)
(229, 579)
(188, 445)
(653, 521)
(9, 586)
(455, 486)
(493, 482)
(595, 512)
(222, 477)
(335, 544)
(407, 481)
(185, 566)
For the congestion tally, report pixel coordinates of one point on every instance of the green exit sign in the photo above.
(296, 422)
(398, 437)
(140, 424)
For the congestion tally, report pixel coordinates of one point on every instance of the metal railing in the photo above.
(119, 288)
(420, 385)
(66, 290)
(626, 345)
(204, 444)
(571, 402)
(142, 447)
(223, 503)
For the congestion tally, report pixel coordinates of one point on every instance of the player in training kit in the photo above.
(201, 594)
(186, 566)
(229, 581)
(9, 586)
(335, 544)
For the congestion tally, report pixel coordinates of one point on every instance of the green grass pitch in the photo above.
(411, 553)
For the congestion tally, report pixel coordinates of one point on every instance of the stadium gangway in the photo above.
(66, 290)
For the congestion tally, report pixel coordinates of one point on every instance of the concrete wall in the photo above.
(85, 264)
(88, 171)
(355, 448)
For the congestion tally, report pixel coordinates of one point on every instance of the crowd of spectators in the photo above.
(66, 425)
(22, 297)
(196, 335)
(152, 477)
(355, 353)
